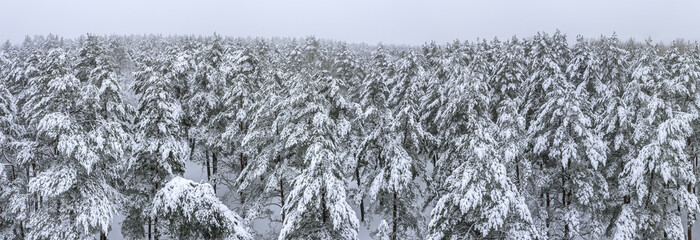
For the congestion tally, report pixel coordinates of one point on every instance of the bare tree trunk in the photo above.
(324, 208)
(563, 200)
(546, 196)
(548, 217)
(651, 187)
(517, 172)
(242, 161)
(243, 164)
(690, 188)
(214, 163)
(21, 229)
(394, 217)
(626, 197)
(206, 159)
(149, 229)
(192, 145)
(282, 198)
(35, 200)
(102, 236)
(155, 228)
(155, 219)
(362, 199)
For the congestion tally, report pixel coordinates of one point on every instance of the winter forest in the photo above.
(541, 137)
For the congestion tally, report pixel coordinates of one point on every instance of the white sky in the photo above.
(371, 21)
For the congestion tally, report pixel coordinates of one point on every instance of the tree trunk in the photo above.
(405, 131)
(155, 228)
(282, 198)
(548, 217)
(563, 200)
(242, 161)
(243, 164)
(324, 211)
(206, 159)
(214, 163)
(324, 207)
(155, 219)
(626, 197)
(517, 173)
(21, 229)
(690, 188)
(651, 187)
(192, 145)
(149, 229)
(35, 201)
(546, 200)
(362, 199)
(394, 217)
(102, 236)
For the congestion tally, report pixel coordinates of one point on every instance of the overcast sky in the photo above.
(371, 21)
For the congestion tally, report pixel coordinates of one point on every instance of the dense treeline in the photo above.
(520, 139)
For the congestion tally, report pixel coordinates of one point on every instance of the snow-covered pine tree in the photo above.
(88, 54)
(317, 207)
(372, 99)
(657, 176)
(71, 167)
(437, 63)
(547, 58)
(181, 67)
(613, 114)
(467, 209)
(268, 172)
(572, 152)
(265, 181)
(24, 66)
(438, 85)
(635, 95)
(160, 150)
(689, 74)
(434, 76)
(13, 214)
(347, 68)
(193, 211)
(232, 122)
(13, 195)
(508, 86)
(399, 139)
(205, 102)
(104, 116)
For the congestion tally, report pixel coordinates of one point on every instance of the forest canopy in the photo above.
(525, 138)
